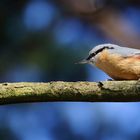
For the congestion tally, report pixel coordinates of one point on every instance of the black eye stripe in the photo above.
(98, 51)
(105, 47)
(90, 56)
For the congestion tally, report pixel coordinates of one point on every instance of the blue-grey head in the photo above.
(112, 48)
(95, 52)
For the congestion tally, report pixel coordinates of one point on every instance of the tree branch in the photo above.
(109, 91)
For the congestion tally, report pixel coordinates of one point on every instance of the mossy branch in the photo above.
(109, 91)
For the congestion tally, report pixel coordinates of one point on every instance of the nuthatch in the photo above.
(120, 63)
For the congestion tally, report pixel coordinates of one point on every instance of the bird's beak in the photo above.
(84, 61)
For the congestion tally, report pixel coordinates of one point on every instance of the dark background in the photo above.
(40, 41)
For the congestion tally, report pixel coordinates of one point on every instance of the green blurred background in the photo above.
(40, 41)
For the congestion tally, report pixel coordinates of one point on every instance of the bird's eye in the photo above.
(111, 47)
(107, 47)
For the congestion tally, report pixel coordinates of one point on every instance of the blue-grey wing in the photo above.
(125, 52)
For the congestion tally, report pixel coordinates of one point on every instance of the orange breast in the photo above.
(119, 68)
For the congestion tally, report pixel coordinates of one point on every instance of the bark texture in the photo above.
(109, 91)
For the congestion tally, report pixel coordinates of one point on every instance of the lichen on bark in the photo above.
(108, 91)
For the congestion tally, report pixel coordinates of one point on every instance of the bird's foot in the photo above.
(109, 80)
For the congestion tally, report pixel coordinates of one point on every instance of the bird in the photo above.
(120, 63)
